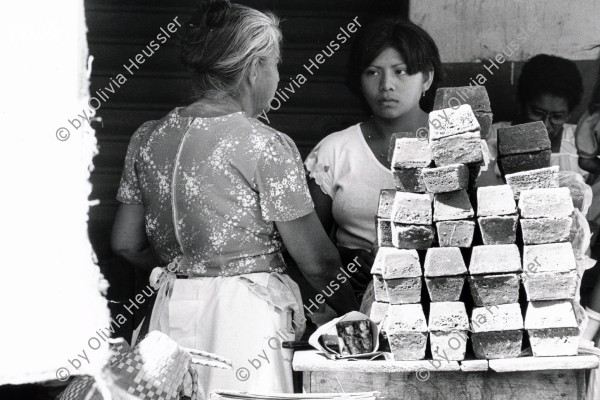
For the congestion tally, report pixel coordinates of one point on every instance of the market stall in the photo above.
(501, 265)
(537, 378)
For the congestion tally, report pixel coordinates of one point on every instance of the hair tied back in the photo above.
(211, 14)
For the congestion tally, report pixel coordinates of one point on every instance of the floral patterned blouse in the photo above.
(212, 189)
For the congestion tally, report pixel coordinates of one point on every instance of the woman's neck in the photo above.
(212, 106)
(409, 122)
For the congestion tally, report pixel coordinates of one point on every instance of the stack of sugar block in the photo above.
(524, 157)
(384, 217)
(552, 328)
(475, 96)
(448, 325)
(497, 331)
(497, 214)
(494, 282)
(409, 156)
(549, 271)
(454, 136)
(455, 142)
(523, 147)
(412, 221)
(434, 181)
(412, 217)
(445, 272)
(406, 330)
(397, 276)
(494, 273)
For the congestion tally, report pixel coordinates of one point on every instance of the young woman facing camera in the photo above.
(391, 67)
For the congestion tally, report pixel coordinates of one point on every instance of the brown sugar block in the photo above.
(498, 229)
(524, 162)
(496, 318)
(355, 337)
(464, 148)
(386, 202)
(399, 135)
(409, 180)
(497, 331)
(495, 259)
(445, 288)
(546, 203)
(452, 206)
(534, 179)
(546, 230)
(452, 121)
(448, 316)
(444, 261)
(398, 263)
(455, 233)
(552, 257)
(412, 209)
(380, 289)
(499, 344)
(485, 123)
(446, 179)
(378, 311)
(448, 346)
(550, 285)
(476, 96)
(495, 200)
(523, 138)
(488, 290)
(448, 325)
(384, 232)
(552, 328)
(417, 237)
(406, 329)
(411, 153)
(404, 290)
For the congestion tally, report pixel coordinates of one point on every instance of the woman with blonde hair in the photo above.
(215, 195)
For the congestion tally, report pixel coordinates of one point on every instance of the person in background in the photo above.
(393, 64)
(216, 195)
(548, 90)
(587, 138)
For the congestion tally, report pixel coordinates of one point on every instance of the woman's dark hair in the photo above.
(594, 105)
(418, 50)
(550, 75)
(220, 42)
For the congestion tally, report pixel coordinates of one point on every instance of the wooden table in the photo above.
(537, 378)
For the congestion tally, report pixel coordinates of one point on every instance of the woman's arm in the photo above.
(591, 165)
(323, 204)
(318, 260)
(129, 239)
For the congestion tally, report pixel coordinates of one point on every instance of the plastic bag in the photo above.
(581, 192)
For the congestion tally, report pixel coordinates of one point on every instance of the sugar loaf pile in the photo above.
(483, 271)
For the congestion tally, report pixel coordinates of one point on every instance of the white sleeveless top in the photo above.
(345, 168)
